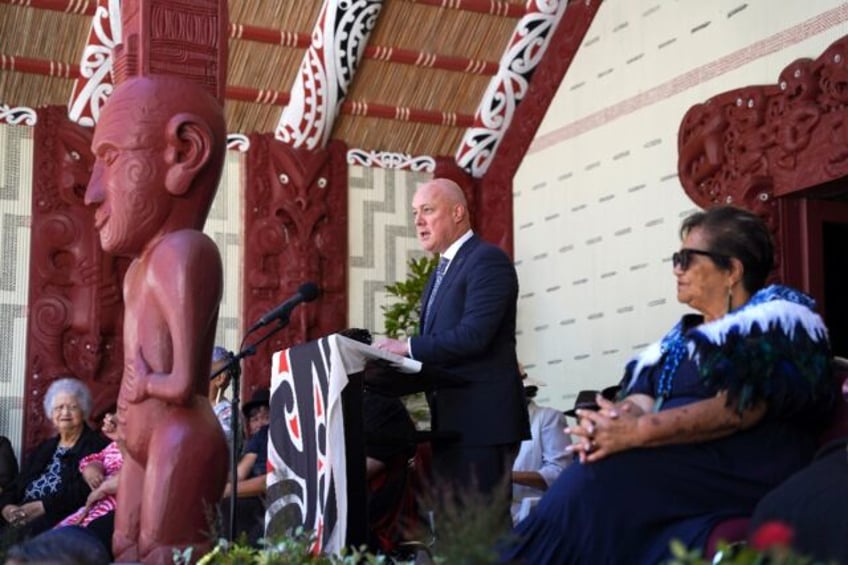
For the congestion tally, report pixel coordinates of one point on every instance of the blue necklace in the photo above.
(673, 348)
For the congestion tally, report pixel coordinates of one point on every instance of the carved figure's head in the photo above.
(159, 147)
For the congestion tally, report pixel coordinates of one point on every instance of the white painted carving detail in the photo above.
(508, 87)
(238, 142)
(386, 160)
(17, 115)
(330, 62)
(95, 83)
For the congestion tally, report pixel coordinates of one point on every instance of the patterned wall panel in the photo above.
(15, 217)
(381, 240)
(597, 199)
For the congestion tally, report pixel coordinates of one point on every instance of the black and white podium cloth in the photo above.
(306, 480)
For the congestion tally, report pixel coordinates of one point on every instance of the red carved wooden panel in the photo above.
(295, 230)
(75, 305)
(752, 145)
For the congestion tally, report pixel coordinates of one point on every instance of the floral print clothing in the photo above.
(50, 480)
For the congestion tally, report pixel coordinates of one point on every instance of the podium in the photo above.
(316, 455)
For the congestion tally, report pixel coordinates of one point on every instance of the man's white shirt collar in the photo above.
(453, 249)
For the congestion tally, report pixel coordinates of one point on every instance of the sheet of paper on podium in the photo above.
(368, 352)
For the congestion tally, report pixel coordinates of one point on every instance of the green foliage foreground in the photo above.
(294, 550)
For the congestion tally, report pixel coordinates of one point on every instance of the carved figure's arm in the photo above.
(185, 274)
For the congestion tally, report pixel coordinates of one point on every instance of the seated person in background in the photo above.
(814, 501)
(50, 485)
(588, 400)
(8, 463)
(257, 412)
(217, 387)
(543, 457)
(251, 470)
(714, 415)
(100, 471)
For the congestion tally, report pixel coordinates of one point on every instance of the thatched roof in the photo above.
(49, 32)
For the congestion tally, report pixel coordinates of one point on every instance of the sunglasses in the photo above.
(683, 258)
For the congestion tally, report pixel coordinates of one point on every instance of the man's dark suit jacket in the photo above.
(471, 333)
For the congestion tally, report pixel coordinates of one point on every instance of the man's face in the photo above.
(438, 219)
(127, 183)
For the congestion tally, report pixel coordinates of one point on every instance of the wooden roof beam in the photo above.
(492, 7)
(379, 52)
(79, 7)
(44, 67)
(58, 69)
(299, 40)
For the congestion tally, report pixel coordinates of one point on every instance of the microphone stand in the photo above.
(234, 366)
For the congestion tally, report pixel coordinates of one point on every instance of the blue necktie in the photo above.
(440, 274)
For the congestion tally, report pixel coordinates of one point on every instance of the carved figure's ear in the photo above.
(189, 145)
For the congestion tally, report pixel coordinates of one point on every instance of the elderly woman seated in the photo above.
(50, 485)
(711, 417)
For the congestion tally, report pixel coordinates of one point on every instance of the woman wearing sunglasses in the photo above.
(710, 417)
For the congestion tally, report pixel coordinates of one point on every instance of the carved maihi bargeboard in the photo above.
(751, 145)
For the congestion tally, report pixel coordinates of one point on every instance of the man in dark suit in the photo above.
(468, 329)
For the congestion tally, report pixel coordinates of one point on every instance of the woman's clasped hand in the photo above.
(610, 429)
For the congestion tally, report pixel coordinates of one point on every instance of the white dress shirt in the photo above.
(544, 452)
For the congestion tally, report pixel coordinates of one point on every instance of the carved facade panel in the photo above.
(752, 145)
(295, 231)
(75, 304)
(493, 203)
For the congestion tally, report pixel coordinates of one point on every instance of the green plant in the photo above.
(401, 319)
(291, 550)
(464, 528)
(467, 525)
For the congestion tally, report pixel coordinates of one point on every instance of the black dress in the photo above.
(8, 464)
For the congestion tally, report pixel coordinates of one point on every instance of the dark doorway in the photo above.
(819, 264)
(835, 263)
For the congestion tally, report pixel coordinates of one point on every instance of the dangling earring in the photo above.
(729, 299)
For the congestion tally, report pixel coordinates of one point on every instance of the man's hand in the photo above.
(396, 346)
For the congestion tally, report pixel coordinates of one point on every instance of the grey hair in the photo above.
(75, 388)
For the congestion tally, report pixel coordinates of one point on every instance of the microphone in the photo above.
(306, 293)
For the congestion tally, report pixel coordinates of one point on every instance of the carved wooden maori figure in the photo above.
(295, 231)
(75, 313)
(159, 150)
